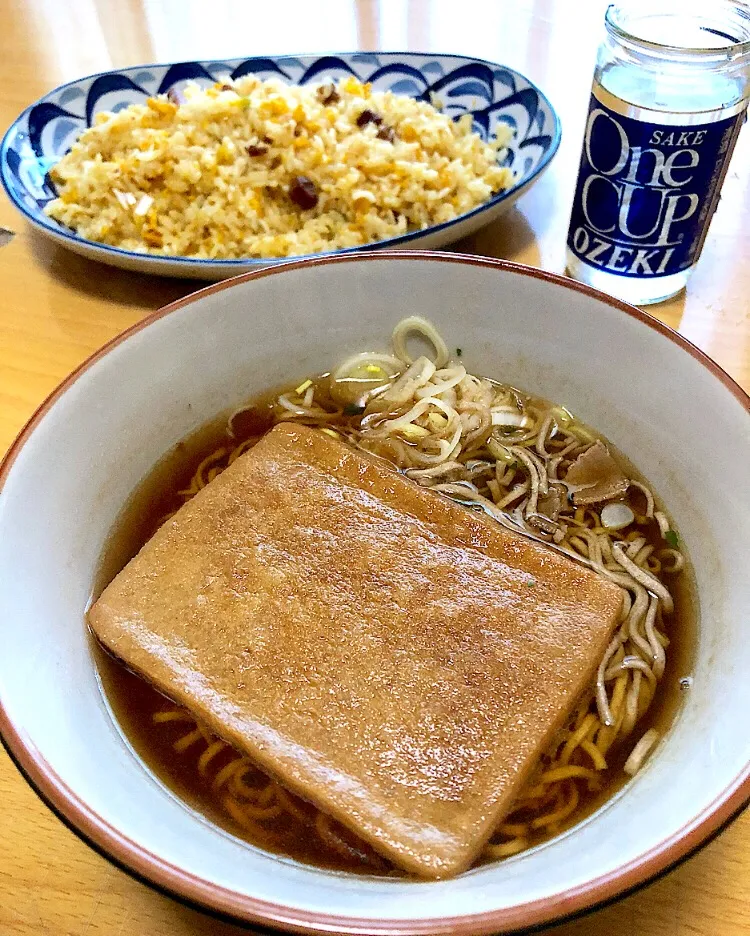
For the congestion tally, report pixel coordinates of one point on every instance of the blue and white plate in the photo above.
(491, 93)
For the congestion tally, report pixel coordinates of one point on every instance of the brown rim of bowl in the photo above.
(174, 881)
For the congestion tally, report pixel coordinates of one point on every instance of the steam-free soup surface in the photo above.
(163, 745)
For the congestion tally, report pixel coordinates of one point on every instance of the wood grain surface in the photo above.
(55, 309)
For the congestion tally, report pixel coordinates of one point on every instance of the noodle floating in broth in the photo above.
(533, 468)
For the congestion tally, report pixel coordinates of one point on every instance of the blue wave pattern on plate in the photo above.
(491, 94)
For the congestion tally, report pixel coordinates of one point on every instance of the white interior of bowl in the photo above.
(673, 418)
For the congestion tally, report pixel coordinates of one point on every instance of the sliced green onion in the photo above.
(562, 416)
(616, 516)
(413, 432)
(583, 434)
(499, 451)
(505, 416)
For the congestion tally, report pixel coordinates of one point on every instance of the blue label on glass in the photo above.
(646, 191)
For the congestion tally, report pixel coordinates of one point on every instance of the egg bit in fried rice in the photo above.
(258, 168)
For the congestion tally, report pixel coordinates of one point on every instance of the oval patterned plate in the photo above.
(491, 93)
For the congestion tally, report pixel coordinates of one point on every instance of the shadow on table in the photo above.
(100, 281)
(186, 921)
(509, 237)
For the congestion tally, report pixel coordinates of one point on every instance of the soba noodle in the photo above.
(494, 448)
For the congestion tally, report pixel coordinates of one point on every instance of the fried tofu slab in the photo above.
(393, 657)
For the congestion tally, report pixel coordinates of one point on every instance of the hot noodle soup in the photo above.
(529, 465)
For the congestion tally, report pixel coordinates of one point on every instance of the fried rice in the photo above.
(258, 168)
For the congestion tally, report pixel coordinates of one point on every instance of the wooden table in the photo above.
(56, 308)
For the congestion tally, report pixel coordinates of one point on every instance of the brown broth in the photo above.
(133, 701)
